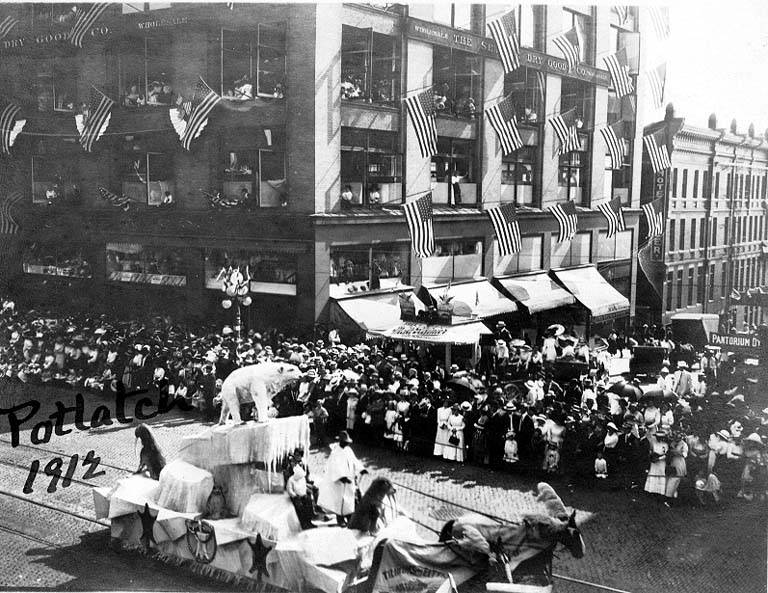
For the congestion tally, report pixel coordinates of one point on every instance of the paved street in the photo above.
(632, 543)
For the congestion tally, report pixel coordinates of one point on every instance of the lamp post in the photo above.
(236, 287)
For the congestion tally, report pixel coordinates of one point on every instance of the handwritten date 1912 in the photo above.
(53, 470)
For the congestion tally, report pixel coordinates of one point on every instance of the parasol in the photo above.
(623, 389)
(659, 395)
(556, 329)
(461, 385)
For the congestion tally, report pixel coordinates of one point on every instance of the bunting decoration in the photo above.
(504, 33)
(122, 202)
(8, 225)
(7, 25)
(568, 43)
(657, 80)
(217, 202)
(614, 214)
(654, 216)
(92, 124)
(618, 68)
(10, 127)
(418, 215)
(421, 111)
(614, 140)
(85, 21)
(189, 118)
(567, 219)
(566, 131)
(502, 119)
(660, 21)
(507, 227)
(656, 146)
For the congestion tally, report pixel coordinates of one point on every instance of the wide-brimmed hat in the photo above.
(510, 406)
(466, 406)
(664, 370)
(724, 434)
(344, 437)
(529, 384)
(612, 426)
(681, 364)
(753, 438)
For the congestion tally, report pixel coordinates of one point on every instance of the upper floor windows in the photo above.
(517, 175)
(146, 72)
(530, 20)
(453, 172)
(584, 25)
(457, 77)
(253, 63)
(253, 168)
(370, 168)
(580, 95)
(51, 14)
(458, 16)
(526, 88)
(370, 66)
(55, 84)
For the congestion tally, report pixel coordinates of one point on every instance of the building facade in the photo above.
(312, 133)
(714, 245)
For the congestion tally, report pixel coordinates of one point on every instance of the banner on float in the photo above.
(415, 568)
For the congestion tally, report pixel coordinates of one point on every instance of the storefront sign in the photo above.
(66, 271)
(659, 192)
(141, 278)
(736, 342)
(161, 23)
(418, 331)
(469, 42)
(47, 39)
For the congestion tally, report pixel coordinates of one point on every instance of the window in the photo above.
(55, 175)
(571, 253)
(619, 181)
(674, 182)
(572, 179)
(682, 234)
(458, 16)
(702, 232)
(581, 96)
(64, 260)
(712, 295)
(454, 259)
(517, 173)
(143, 264)
(616, 248)
(750, 236)
(679, 300)
(526, 87)
(672, 235)
(45, 16)
(714, 232)
(723, 278)
(457, 79)
(453, 172)
(725, 231)
(55, 84)
(695, 184)
(693, 234)
(717, 185)
(685, 184)
(357, 268)
(146, 72)
(272, 271)
(370, 168)
(700, 286)
(669, 287)
(584, 30)
(370, 66)
(530, 19)
(147, 177)
(144, 6)
(529, 259)
(705, 184)
(253, 62)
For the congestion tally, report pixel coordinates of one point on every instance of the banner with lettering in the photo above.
(744, 343)
(416, 568)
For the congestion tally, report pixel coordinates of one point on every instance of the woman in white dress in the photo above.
(455, 451)
(656, 482)
(441, 437)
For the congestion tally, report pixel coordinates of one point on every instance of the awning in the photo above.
(477, 298)
(374, 311)
(593, 291)
(413, 331)
(536, 292)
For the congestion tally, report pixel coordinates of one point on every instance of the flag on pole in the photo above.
(567, 219)
(657, 80)
(623, 12)
(418, 215)
(7, 25)
(8, 225)
(10, 127)
(92, 124)
(504, 33)
(618, 68)
(614, 214)
(85, 21)
(735, 295)
(189, 118)
(421, 110)
(507, 227)
(614, 140)
(660, 20)
(568, 43)
(502, 119)
(656, 146)
(566, 131)
(122, 202)
(654, 216)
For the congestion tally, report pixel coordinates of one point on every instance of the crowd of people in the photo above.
(696, 431)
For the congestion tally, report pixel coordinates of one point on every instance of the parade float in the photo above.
(220, 507)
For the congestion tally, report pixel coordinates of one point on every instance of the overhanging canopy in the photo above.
(413, 331)
(536, 292)
(373, 311)
(593, 291)
(476, 298)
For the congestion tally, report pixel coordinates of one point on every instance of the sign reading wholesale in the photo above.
(736, 342)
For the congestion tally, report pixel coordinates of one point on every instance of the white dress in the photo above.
(441, 438)
(334, 495)
(455, 452)
(656, 482)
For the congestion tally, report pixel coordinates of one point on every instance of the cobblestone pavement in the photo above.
(633, 544)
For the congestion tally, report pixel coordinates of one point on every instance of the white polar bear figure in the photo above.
(257, 382)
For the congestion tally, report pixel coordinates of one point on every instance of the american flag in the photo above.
(504, 33)
(122, 202)
(660, 20)
(8, 225)
(618, 67)
(614, 140)
(85, 21)
(657, 79)
(567, 219)
(614, 214)
(418, 215)
(564, 125)
(623, 12)
(654, 216)
(10, 127)
(507, 227)
(656, 146)
(421, 110)
(735, 295)
(97, 120)
(196, 112)
(7, 25)
(502, 118)
(568, 43)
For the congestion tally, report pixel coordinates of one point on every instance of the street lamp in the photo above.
(236, 287)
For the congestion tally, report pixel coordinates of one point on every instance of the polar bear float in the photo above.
(257, 382)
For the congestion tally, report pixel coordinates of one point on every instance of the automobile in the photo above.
(647, 361)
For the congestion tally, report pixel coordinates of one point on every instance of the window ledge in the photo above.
(366, 105)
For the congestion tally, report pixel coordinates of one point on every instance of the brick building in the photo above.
(312, 111)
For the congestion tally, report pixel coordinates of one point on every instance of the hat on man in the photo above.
(510, 405)
(664, 371)
(612, 426)
(681, 364)
(724, 434)
(466, 406)
(529, 384)
(501, 324)
(344, 437)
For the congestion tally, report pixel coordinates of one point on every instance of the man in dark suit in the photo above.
(525, 435)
